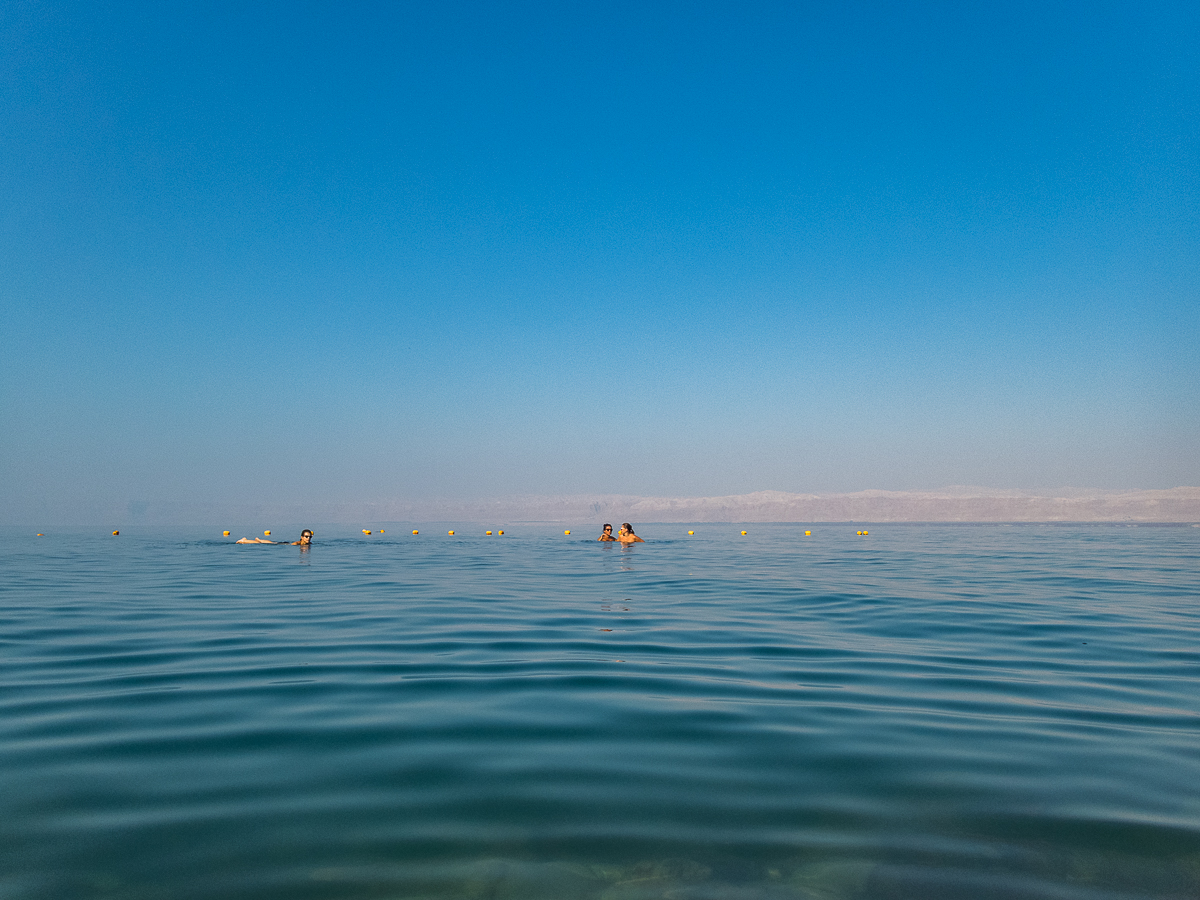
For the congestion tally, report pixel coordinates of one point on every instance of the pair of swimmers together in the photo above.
(625, 535)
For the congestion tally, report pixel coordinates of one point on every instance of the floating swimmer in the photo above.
(306, 537)
(607, 535)
(626, 535)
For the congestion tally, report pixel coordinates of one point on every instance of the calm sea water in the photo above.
(924, 712)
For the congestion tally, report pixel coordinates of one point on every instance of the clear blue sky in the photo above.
(310, 252)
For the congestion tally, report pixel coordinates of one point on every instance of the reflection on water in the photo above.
(926, 712)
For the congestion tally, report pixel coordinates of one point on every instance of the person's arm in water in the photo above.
(254, 541)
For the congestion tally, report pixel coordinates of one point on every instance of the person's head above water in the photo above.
(627, 536)
(607, 528)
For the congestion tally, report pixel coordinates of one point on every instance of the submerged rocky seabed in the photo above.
(1046, 874)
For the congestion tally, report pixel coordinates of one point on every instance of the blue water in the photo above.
(924, 712)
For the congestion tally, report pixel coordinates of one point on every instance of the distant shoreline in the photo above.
(952, 504)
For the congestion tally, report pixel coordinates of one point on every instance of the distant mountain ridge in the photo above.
(951, 504)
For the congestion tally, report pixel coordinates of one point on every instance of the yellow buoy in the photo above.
(489, 532)
(691, 532)
(365, 531)
(866, 532)
(415, 531)
(381, 531)
(502, 532)
(266, 534)
(743, 532)
(115, 533)
(450, 532)
(40, 534)
(808, 532)
(568, 531)
(226, 533)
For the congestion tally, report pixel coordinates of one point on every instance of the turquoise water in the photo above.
(924, 712)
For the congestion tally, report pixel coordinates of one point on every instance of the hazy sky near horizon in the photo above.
(294, 252)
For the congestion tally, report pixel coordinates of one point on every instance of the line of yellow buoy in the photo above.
(267, 533)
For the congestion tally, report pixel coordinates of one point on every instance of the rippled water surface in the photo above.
(924, 712)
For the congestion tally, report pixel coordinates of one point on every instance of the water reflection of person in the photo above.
(607, 535)
(306, 537)
(626, 535)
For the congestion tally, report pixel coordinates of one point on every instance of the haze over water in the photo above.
(924, 711)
